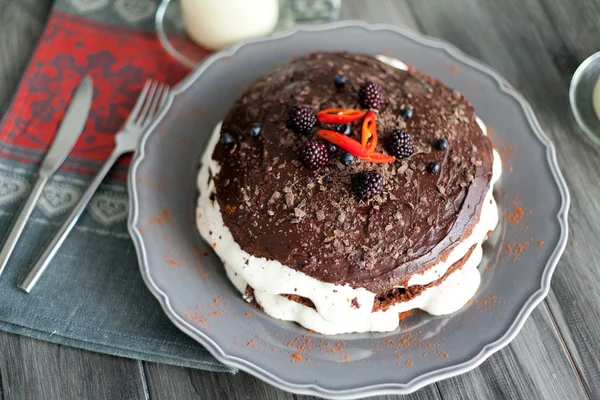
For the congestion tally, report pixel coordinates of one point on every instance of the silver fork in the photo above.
(151, 99)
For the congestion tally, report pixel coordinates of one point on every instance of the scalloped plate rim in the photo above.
(379, 389)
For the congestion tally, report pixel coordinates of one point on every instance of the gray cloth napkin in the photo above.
(92, 296)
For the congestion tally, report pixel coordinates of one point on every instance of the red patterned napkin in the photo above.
(92, 296)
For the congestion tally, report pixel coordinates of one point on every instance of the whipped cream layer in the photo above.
(334, 313)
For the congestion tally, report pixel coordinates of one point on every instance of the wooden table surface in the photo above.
(536, 45)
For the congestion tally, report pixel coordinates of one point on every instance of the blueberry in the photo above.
(255, 130)
(433, 167)
(344, 129)
(441, 144)
(226, 139)
(347, 158)
(340, 80)
(407, 113)
(331, 148)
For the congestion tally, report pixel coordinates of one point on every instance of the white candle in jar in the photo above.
(216, 24)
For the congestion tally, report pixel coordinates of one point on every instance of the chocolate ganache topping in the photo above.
(309, 220)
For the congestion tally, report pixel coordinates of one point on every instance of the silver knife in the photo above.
(69, 130)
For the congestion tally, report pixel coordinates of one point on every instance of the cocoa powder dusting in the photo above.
(516, 215)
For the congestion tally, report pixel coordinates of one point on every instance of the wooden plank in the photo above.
(32, 369)
(379, 12)
(2, 397)
(537, 45)
(533, 366)
(21, 23)
(169, 382)
(575, 299)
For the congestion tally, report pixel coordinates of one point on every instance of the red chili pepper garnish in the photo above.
(367, 126)
(350, 145)
(378, 158)
(340, 115)
(369, 132)
(365, 149)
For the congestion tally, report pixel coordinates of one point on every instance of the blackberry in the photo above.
(340, 81)
(347, 158)
(226, 139)
(370, 95)
(433, 167)
(366, 184)
(331, 148)
(399, 144)
(301, 119)
(407, 113)
(313, 155)
(441, 144)
(255, 130)
(344, 129)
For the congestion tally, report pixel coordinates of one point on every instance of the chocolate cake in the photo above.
(341, 190)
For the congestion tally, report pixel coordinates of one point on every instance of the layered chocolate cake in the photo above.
(342, 190)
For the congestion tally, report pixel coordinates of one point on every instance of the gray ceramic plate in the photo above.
(188, 279)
